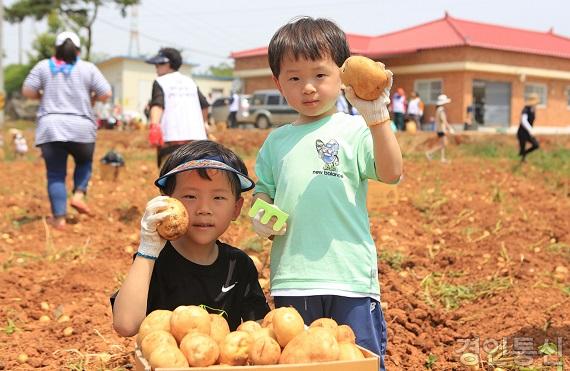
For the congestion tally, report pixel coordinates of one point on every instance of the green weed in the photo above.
(10, 327)
(393, 258)
(430, 361)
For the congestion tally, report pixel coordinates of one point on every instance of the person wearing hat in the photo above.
(525, 131)
(442, 127)
(67, 88)
(177, 106)
(196, 269)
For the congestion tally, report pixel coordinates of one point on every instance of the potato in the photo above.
(264, 351)
(167, 356)
(325, 322)
(344, 334)
(156, 320)
(349, 352)
(268, 319)
(219, 327)
(175, 225)
(234, 350)
(200, 350)
(365, 76)
(264, 331)
(287, 323)
(154, 340)
(314, 345)
(189, 318)
(249, 327)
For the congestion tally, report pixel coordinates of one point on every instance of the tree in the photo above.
(221, 70)
(76, 14)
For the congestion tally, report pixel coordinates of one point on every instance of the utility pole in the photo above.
(2, 92)
(134, 32)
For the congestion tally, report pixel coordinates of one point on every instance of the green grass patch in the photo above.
(438, 291)
(393, 258)
(488, 150)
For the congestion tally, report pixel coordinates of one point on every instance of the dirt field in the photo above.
(472, 253)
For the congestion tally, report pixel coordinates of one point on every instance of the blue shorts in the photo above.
(363, 315)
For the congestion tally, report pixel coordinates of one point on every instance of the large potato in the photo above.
(234, 350)
(156, 339)
(156, 320)
(344, 334)
(219, 327)
(287, 323)
(249, 326)
(317, 344)
(175, 225)
(264, 331)
(325, 322)
(167, 356)
(200, 350)
(264, 351)
(189, 318)
(349, 352)
(365, 76)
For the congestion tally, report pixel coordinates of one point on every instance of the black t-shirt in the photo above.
(157, 98)
(529, 111)
(229, 284)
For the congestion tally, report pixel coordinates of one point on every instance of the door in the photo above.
(492, 103)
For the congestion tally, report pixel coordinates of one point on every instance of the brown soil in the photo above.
(474, 228)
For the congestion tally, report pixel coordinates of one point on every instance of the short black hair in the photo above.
(308, 38)
(201, 149)
(174, 57)
(67, 52)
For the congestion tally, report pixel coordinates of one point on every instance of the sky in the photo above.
(209, 31)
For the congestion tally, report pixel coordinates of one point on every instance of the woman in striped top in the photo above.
(67, 88)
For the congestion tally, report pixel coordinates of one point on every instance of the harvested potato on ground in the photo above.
(155, 339)
(189, 318)
(349, 352)
(167, 356)
(175, 225)
(344, 334)
(324, 322)
(200, 350)
(156, 320)
(367, 77)
(234, 350)
(249, 326)
(287, 323)
(219, 327)
(264, 351)
(314, 345)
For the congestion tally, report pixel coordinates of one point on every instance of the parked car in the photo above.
(220, 109)
(269, 108)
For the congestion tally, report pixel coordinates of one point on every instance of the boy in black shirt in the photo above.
(196, 269)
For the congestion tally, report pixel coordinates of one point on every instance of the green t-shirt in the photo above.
(318, 173)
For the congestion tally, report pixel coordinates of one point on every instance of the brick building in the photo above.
(488, 67)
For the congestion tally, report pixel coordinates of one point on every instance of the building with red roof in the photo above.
(485, 69)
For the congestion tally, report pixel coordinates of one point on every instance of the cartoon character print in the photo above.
(328, 152)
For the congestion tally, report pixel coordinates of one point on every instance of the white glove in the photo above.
(266, 230)
(376, 111)
(151, 243)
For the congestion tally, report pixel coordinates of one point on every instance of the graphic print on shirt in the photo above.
(328, 153)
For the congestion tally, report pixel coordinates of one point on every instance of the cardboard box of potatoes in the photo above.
(189, 338)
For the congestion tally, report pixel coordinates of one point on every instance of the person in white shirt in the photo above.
(399, 108)
(525, 133)
(177, 106)
(416, 109)
(442, 127)
(234, 108)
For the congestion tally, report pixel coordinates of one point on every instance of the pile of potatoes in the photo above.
(191, 337)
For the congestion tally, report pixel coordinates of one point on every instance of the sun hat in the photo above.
(532, 98)
(206, 163)
(167, 55)
(442, 99)
(60, 39)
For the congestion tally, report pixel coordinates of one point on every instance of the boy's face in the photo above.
(310, 87)
(211, 205)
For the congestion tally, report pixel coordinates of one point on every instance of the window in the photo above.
(428, 90)
(539, 89)
(273, 100)
(568, 97)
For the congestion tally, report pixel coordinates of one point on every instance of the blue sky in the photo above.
(208, 31)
